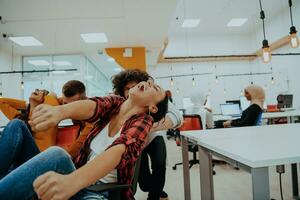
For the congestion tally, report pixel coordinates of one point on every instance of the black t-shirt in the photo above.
(249, 116)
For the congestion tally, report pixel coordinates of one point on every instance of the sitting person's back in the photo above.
(250, 117)
(199, 100)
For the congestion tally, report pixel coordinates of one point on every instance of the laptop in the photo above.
(231, 109)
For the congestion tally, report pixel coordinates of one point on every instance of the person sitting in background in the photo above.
(14, 108)
(199, 100)
(109, 151)
(256, 95)
(13, 142)
(74, 90)
(150, 181)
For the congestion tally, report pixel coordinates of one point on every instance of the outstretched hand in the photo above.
(45, 116)
(54, 186)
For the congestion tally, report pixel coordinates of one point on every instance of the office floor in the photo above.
(229, 184)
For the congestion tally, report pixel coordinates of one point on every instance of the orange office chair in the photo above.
(190, 122)
(67, 135)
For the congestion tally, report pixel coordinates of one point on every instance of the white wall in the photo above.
(11, 83)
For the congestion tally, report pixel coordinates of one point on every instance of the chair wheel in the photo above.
(174, 167)
(236, 168)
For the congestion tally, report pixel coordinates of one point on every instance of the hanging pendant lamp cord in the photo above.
(291, 14)
(262, 16)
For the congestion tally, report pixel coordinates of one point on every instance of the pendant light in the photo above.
(294, 40)
(266, 52)
(193, 81)
(171, 82)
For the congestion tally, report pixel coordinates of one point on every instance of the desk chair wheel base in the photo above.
(236, 168)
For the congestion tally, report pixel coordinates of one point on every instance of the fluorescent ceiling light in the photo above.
(110, 59)
(190, 23)
(62, 63)
(94, 37)
(237, 22)
(26, 41)
(39, 62)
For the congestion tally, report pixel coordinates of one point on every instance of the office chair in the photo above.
(67, 135)
(190, 122)
(114, 189)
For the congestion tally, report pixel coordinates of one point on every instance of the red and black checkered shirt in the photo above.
(133, 136)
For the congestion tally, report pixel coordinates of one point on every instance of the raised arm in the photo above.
(10, 107)
(45, 116)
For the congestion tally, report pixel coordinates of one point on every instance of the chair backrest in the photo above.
(136, 174)
(191, 122)
(67, 135)
(259, 120)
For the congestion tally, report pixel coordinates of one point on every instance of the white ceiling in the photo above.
(58, 24)
(215, 14)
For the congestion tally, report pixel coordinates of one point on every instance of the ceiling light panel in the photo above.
(235, 22)
(190, 23)
(94, 37)
(26, 41)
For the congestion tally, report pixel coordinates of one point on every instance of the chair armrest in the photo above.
(108, 187)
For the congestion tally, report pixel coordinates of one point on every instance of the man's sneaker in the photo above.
(163, 195)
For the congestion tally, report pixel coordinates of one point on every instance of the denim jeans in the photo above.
(153, 181)
(18, 183)
(16, 146)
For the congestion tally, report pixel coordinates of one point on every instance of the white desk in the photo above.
(251, 148)
(289, 114)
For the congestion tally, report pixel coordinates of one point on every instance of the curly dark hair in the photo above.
(120, 80)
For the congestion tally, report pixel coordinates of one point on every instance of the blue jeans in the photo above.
(18, 183)
(16, 146)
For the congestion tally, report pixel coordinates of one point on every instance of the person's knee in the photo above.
(58, 153)
(16, 123)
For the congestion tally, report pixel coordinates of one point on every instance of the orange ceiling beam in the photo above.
(136, 61)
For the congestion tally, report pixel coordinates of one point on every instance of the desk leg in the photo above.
(295, 180)
(260, 183)
(206, 175)
(186, 170)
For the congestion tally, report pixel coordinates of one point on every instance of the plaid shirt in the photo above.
(133, 136)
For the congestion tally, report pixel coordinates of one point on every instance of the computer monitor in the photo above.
(244, 103)
(285, 101)
(234, 102)
(230, 109)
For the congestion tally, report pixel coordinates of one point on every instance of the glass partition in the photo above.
(60, 69)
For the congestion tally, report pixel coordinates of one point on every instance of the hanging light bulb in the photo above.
(217, 80)
(272, 80)
(294, 40)
(22, 84)
(193, 81)
(172, 82)
(266, 52)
